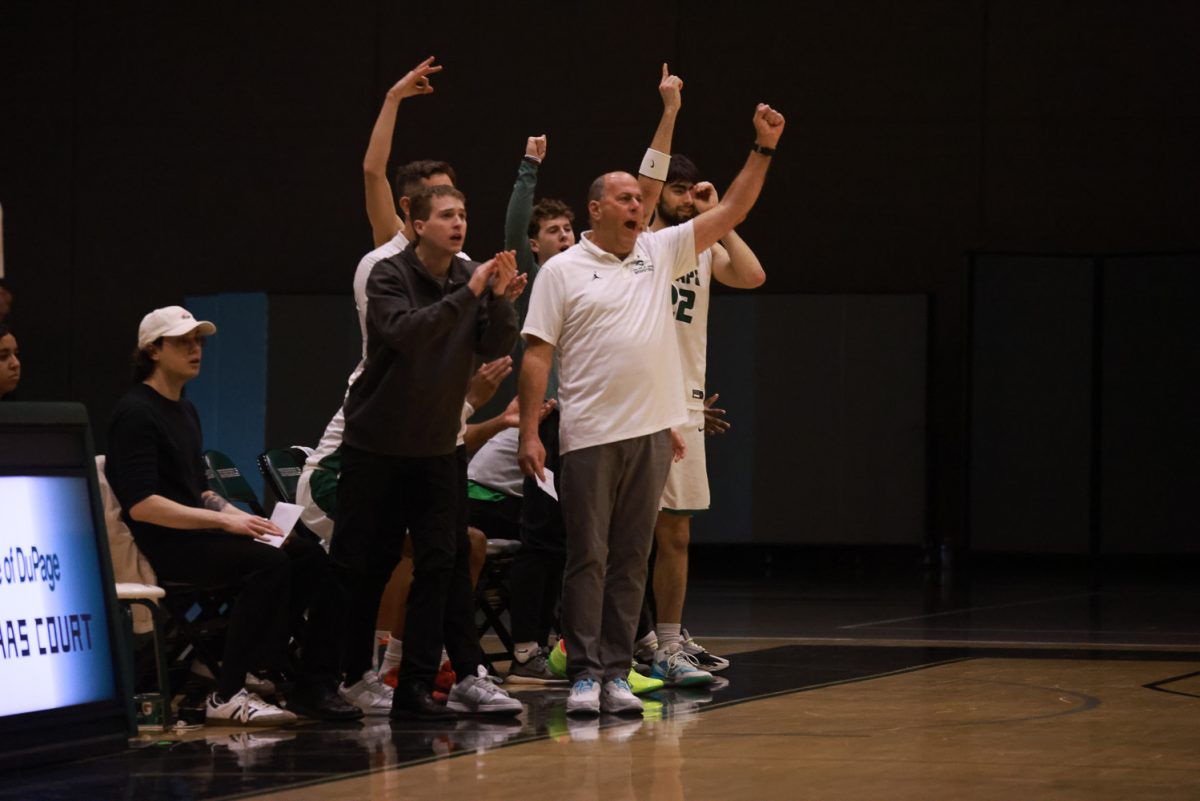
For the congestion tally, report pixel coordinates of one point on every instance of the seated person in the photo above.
(494, 483)
(10, 365)
(191, 535)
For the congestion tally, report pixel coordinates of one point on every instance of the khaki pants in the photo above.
(610, 496)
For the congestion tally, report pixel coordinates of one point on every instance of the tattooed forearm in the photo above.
(214, 501)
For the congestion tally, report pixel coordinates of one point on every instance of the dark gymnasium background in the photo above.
(981, 230)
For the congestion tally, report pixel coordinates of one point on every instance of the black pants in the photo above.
(379, 497)
(262, 578)
(536, 574)
(498, 520)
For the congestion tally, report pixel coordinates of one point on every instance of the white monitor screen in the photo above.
(54, 648)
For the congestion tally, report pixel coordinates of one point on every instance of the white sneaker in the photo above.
(616, 697)
(478, 694)
(584, 698)
(245, 709)
(369, 694)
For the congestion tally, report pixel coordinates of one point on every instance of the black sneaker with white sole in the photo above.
(535, 670)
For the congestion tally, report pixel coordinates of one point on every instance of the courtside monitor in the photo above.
(63, 691)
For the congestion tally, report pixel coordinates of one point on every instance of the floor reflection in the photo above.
(214, 763)
(218, 763)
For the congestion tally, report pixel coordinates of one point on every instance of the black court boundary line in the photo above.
(1158, 685)
(964, 655)
(834, 683)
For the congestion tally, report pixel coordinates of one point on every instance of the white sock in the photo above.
(524, 651)
(381, 637)
(668, 635)
(391, 657)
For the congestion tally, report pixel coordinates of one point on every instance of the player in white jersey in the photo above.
(678, 660)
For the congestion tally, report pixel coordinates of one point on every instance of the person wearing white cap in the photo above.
(190, 534)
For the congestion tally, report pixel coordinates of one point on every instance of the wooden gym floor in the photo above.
(1050, 689)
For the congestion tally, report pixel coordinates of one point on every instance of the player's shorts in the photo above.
(314, 487)
(687, 483)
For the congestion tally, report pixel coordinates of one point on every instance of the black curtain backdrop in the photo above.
(152, 150)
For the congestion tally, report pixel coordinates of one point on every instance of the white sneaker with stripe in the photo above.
(245, 709)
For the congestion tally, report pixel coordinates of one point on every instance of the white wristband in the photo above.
(655, 164)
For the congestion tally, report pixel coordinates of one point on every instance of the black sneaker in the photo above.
(536, 670)
(413, 700)
(320, 702)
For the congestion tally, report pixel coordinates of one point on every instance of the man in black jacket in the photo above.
(429, 312)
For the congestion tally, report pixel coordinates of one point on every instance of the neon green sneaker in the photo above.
(640, 684)
(558, 659)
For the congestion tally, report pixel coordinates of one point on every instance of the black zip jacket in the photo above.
(422, 338)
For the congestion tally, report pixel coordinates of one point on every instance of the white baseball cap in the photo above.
(171, 321)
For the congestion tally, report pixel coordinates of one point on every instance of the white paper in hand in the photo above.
(285, 516)
(547, 486)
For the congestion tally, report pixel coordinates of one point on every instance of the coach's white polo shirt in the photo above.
(611, 322)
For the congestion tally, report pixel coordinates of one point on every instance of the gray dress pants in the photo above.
(610, 495)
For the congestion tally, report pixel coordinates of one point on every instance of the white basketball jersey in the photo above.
(689, 299)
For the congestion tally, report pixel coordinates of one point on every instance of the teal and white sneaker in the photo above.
(677, 668)
(584, 698)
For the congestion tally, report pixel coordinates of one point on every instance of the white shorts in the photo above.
(312, 516)
(687, 483)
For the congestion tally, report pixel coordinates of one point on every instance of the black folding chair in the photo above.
(492, 596)
(281, 468)
(227, 481)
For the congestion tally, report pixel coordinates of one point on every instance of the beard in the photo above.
(677, 217)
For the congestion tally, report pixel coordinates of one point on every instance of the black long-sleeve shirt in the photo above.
(154, 448)
(422, 337)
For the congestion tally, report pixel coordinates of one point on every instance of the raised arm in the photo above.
(670, 88)
(734, 263)
(381, 205)
(520, 211)
(714, 224)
